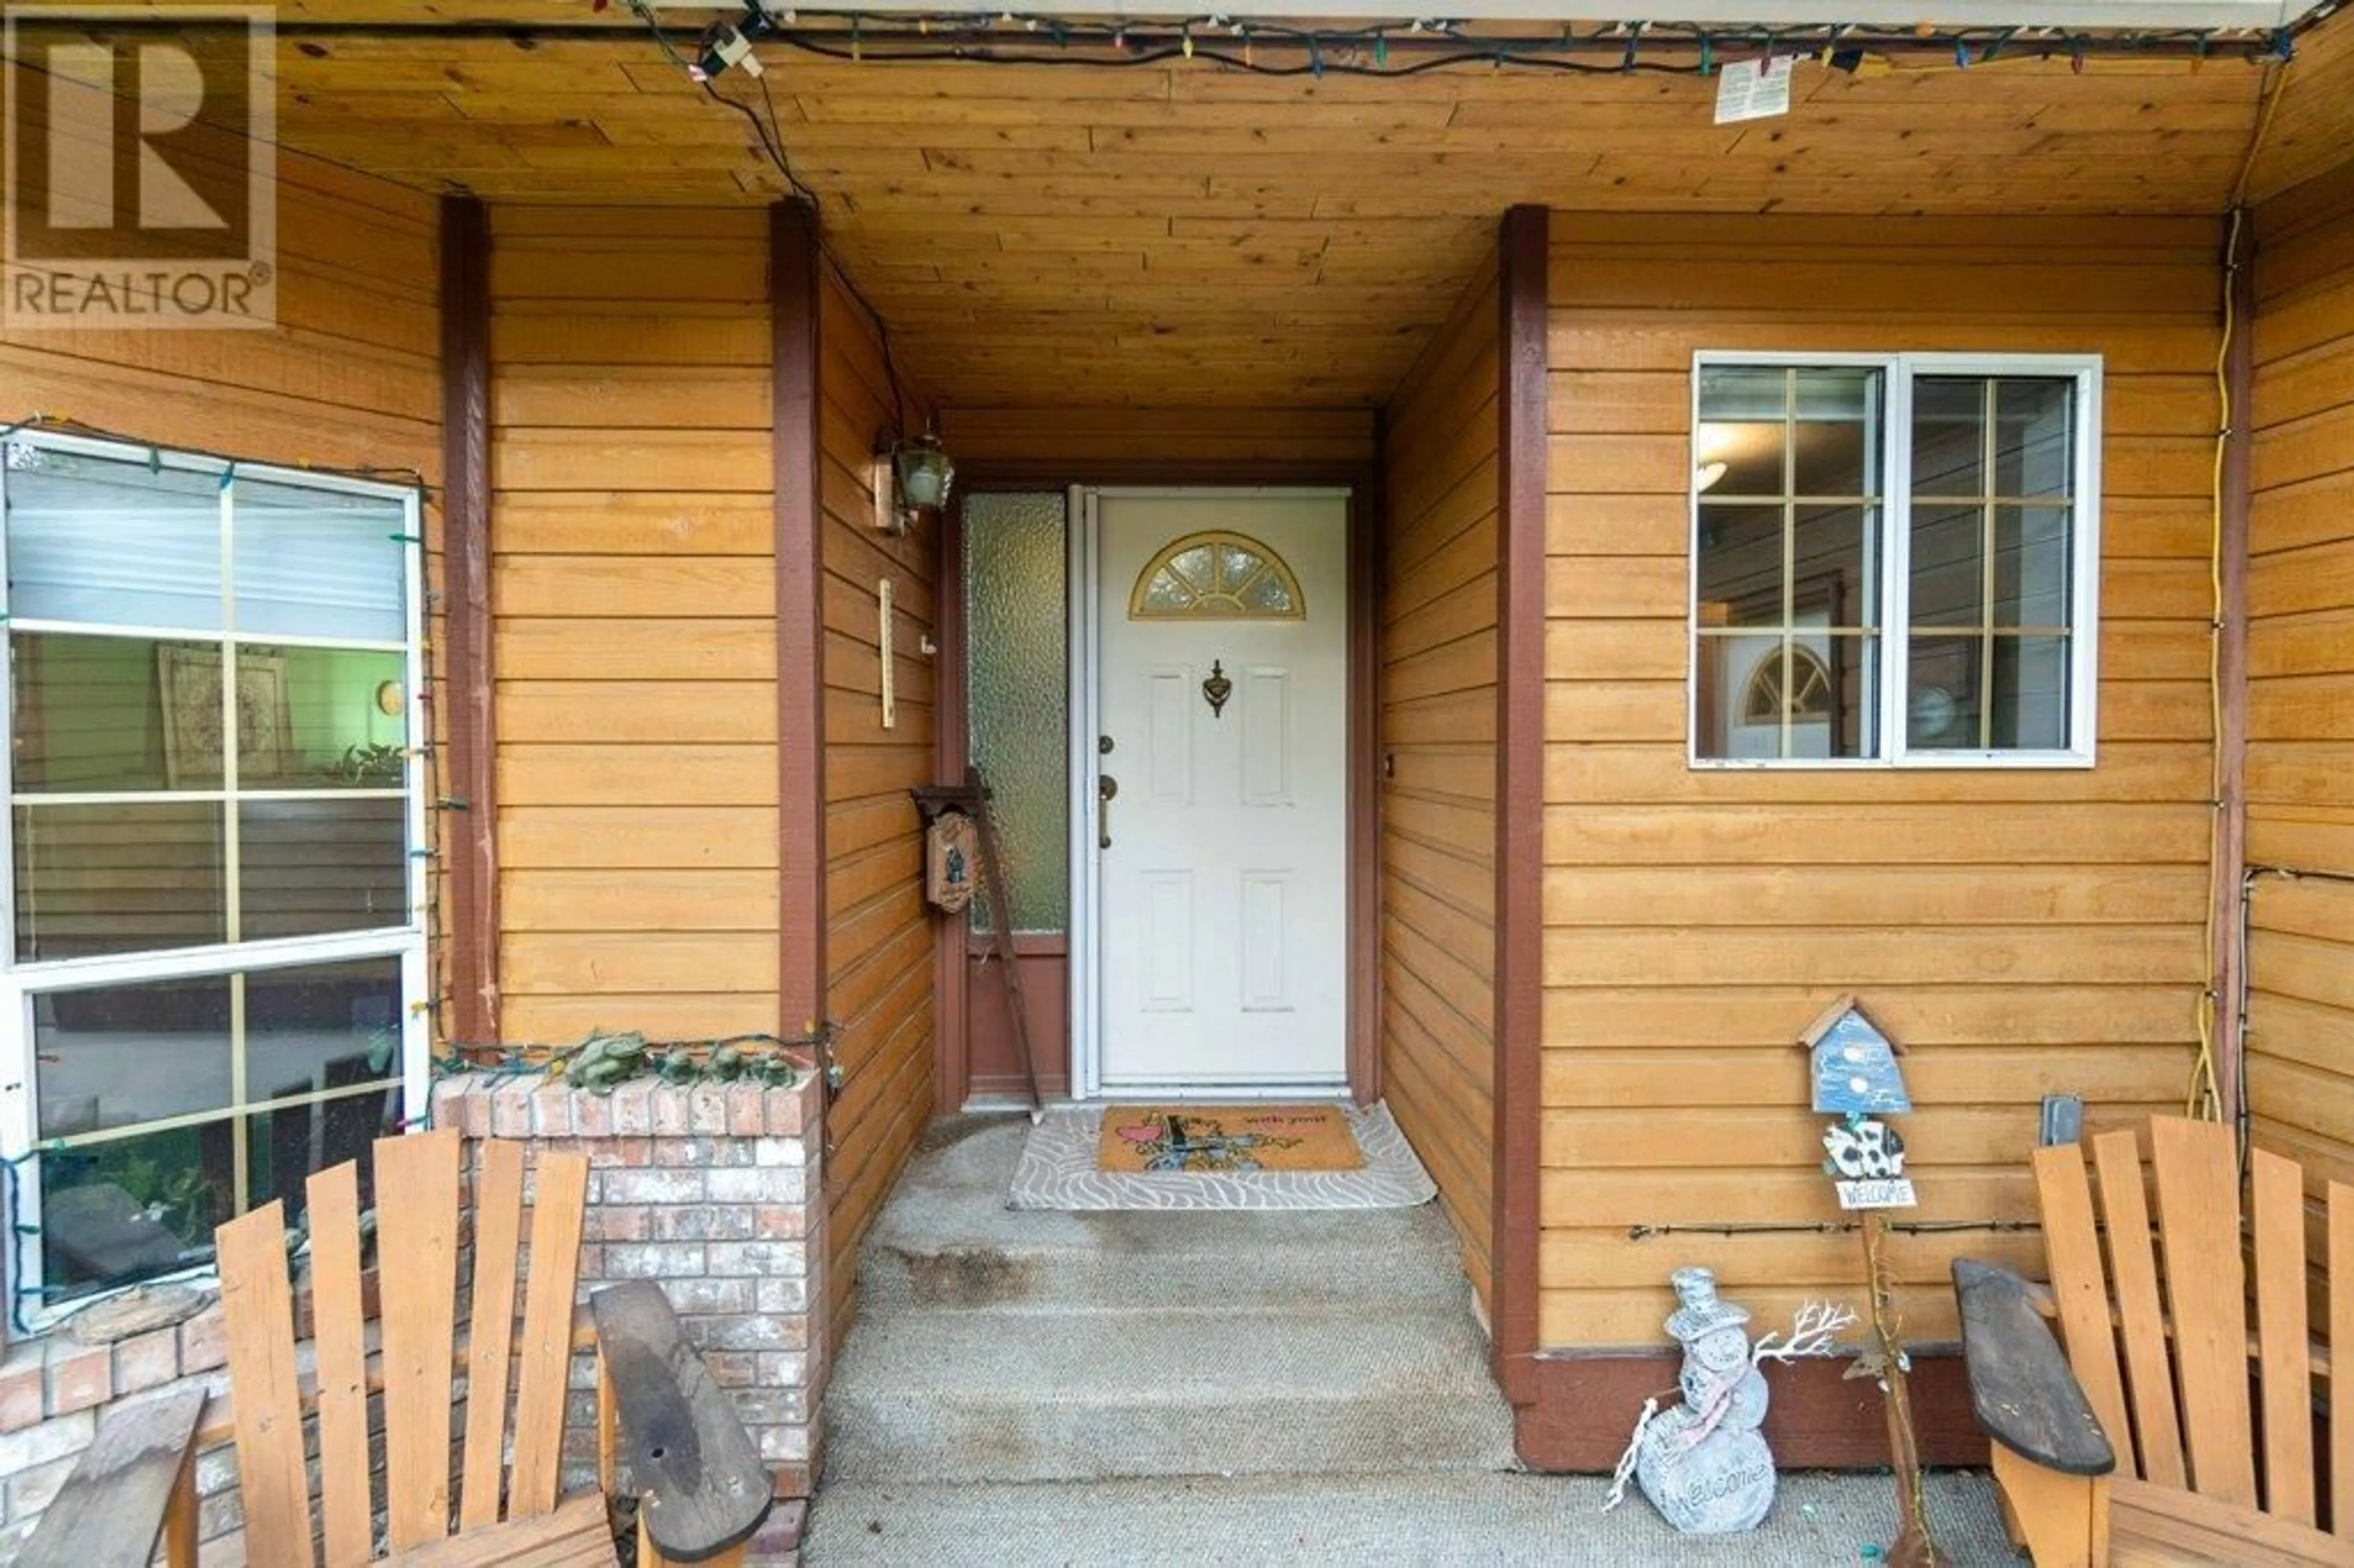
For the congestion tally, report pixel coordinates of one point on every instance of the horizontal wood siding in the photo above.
(348, 379)
(2300, 1039)
(2022, 932)
(633, 588)
(1438, 651)
(879, 934)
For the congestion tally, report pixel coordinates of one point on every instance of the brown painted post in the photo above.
(796, 273)
(796, 278)
(2231, 841)
(462, 696)
(1519, 806)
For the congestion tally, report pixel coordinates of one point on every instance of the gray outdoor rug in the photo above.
(1058, 1170)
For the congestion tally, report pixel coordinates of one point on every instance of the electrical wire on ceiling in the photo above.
(770, 135)
(771, 143)
(1403, 49)
(1426, 45)
(1380, 48)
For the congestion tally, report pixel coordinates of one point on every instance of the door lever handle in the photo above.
(1106, 788)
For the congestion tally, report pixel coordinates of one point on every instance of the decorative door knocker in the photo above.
(1217, 688)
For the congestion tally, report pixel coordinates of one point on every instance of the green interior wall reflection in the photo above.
(1018, 694)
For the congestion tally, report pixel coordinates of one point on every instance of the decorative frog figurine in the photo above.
(1703, 1464)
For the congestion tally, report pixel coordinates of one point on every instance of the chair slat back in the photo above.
(2196, 1168)
(2198, 1340)
(559, 1204)
(498, 1237)
(258, 1319)
(2132, 1266)
(2341, 1358)
(2276, 1204)
(2064, 1192)
(417, 1237)
(339, 1330)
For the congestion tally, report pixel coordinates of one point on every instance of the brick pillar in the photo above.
(715, 1191)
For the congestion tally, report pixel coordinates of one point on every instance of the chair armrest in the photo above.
(112, 1509)
(2021, 1390)
(704, 1486)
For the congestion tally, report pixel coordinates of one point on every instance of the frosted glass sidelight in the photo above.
(1017, 702)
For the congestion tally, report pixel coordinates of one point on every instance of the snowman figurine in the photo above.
(1703, 1464)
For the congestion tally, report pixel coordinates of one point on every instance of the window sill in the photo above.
(49, 1374)
(1915, 762)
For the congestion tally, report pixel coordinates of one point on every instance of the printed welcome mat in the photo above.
(1063, 1163)
(1231, 1139)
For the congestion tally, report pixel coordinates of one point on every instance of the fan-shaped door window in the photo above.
(1800, 688)
(1216, 576)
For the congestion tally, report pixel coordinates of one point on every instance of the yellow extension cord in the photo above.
(2204, 1100)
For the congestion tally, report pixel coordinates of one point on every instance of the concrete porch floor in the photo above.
(1818, 1521)
(1282, 1299)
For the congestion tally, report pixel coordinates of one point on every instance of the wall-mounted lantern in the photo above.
(912, 480)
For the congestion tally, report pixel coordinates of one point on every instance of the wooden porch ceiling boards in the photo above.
(1161, 237)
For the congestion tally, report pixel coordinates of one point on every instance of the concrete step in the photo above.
(1386, 1259)
(951, 1396)
(1406, 1518)
(947, 1240)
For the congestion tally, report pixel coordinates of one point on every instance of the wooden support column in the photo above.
(796, 277)
(796, 273)
(1522, 259)
(2231, 838)
(462, 708)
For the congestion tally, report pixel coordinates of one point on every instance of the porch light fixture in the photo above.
(912, 480)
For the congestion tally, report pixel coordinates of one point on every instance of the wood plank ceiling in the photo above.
(1192, 235)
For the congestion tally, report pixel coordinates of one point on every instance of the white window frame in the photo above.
(1900, 370)
(21, 982)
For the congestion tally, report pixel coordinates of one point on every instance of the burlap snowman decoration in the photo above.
(1703, 1464)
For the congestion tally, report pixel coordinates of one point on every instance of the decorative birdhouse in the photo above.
(1854, 1065)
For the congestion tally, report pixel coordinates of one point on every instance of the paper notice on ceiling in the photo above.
(1754, 89)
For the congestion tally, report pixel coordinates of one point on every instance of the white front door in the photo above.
(1221, 836)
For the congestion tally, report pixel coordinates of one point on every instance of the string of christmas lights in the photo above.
(1408, 49)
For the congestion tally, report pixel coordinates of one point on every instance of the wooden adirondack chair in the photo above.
(703, 1489)
(2151, 1456)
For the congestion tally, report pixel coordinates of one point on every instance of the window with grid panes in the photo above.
(1894, 559)
(216, 943)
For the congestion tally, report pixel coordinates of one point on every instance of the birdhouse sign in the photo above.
(1854, 1064)
(1855, 1076)
(1867, 1159)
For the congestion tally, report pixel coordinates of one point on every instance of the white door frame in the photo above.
(1086, 605)
(1085, 937)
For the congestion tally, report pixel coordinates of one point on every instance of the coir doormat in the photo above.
(1231, 1140)
(1061, 1168)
